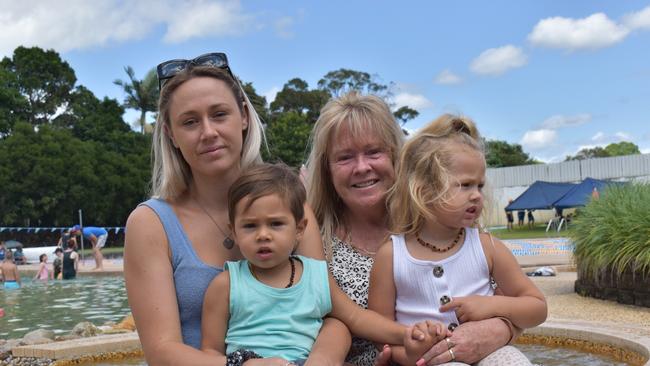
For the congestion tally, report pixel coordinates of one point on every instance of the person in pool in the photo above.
(10, 275)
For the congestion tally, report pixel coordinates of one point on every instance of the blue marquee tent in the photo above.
(540, 196)
(580, 194)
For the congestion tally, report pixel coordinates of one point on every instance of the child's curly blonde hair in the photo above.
(423, 180)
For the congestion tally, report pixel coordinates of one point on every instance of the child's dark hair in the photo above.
(42, 257)
(266, 179)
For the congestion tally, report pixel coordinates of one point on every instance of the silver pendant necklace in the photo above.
(228, 243)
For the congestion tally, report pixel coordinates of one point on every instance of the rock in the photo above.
(37, 340)
(66, 337)
(5, 349)
(38, 334)
(127, 323)
(85, 329)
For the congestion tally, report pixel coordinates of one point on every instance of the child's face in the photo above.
(266, 232)
(465, 199)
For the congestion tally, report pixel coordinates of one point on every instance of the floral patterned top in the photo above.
(351, 270)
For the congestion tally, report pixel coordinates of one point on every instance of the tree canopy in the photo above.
(613, 149)
(63, 149)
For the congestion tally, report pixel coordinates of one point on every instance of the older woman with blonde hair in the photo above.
(207, 132)
(355, 147)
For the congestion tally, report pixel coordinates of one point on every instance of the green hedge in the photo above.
(613, 232)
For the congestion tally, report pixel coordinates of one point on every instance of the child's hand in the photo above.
(416, 346)
(471, 308)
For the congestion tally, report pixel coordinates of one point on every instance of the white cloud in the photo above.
(593, 32)
(283, 27)
(638, 20)
(496, 61)
(645, 151)
(203, 18)
(271, 93)
(415, 101)
(80, 24)
(623, 136)
(559, 121)
(447, 77)
(599, 137)
(537, 139)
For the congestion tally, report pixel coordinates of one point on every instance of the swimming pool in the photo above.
(60, 305)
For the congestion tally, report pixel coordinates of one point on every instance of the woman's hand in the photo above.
(470, 342)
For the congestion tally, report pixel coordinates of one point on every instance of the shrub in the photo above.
(613, 232)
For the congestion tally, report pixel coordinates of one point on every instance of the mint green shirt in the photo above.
(277, 322)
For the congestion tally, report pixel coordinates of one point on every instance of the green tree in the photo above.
(43, 79)
(589, 153)
(287, 137)
(141, 95)
(13, 105)
(405, 114)
(295, 96)
(622, 148)
(502, 154)
(343, 81)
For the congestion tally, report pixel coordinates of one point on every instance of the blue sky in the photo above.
(554, 76)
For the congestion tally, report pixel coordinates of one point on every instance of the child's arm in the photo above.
(364, 323)
(381, 298)
(40, 268)
(215, 316)
(523, 303)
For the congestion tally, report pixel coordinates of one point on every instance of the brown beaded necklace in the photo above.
(291, 277)
(434, 248)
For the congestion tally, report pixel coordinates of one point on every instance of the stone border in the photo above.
(627, 345)
(81, 347)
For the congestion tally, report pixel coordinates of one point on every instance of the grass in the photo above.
(524, 232)
(613, 233)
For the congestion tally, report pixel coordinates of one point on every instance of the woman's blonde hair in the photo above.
(362, 115)
(172, 175)
(423, 179)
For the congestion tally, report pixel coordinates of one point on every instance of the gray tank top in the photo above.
(191, 275)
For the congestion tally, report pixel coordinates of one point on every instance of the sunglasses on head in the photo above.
(169, 69)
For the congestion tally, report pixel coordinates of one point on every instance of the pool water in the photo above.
(60, 305)
(549, 356)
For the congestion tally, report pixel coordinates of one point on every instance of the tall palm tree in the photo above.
(141, 95)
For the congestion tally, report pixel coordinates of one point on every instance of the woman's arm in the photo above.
(151, 293)
(215, 316)
(334, 339)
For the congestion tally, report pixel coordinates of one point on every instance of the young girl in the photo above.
(438, 265)
(43, 273)
(272, 304)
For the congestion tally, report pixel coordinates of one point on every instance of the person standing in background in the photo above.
(57, 263)
(70, 263)
(97, 237)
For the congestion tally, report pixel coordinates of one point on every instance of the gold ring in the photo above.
(451, 353)
(450, 344)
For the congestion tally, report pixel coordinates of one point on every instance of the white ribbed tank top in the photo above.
(419, 291)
